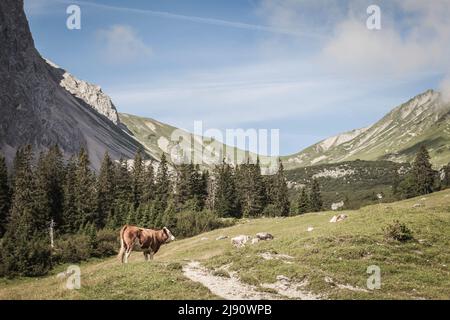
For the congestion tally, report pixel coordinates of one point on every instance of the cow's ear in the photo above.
(165, 230)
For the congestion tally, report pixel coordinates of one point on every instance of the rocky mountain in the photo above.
(42, 105)
(425, 119)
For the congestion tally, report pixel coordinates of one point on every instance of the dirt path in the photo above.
(233, 289)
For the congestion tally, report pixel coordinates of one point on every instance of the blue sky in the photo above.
(309, 68)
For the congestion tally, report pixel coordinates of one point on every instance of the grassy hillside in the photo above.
(156, 137)
(331, 259)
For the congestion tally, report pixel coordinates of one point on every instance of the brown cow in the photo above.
(149, 240)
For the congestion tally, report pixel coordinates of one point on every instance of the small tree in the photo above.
(315, 198)
(303, 202)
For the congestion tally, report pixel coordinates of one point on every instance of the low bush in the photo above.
(397, 231)
(190, 223)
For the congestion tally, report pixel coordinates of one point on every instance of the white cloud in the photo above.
(121, 44)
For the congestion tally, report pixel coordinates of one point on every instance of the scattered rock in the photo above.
(337, 205)
(310, 229)
(417, 205)
(264, 236)
(423, 199)
(338, 218)
(240, 241)
(221, 237)
(255, 240)
(277, 256)
(203, 239)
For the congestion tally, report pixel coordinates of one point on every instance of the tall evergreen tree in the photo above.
(163, 185)
(315, 198)
(149, 184)
(85, 195)
(5, 196)
(226, 201)
(303, 202)
(105, 191)
(281, 198)
(138, 179)
(26, 245)
(71, 217)
(424, 175)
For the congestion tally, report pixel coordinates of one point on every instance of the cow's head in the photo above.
(169, 235)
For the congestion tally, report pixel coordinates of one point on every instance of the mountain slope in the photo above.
(43, 105)
(422, 120)
(158, 137)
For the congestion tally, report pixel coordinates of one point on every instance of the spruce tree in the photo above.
(281, 198)
(424, 175)
(105, 191)
(303, 202)
(138, 178)
(226, 201)
(5, 196)
(26, 244)
(162, 185)
(315, 198)
(148, 194)
(122, 191)
(71, 218)
(85, 195)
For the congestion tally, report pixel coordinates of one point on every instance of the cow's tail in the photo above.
(122, 244)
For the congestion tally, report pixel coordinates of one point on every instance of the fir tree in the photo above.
(422, 172)
(162, 185)
(226, 201)
(303, 202)
(5, 196)
(138, 179)
(315, 198)
(105, 191)
(85, 195)
(122, 191)
(149, 184)
(281, 198)
(71, 219)
(26, 244)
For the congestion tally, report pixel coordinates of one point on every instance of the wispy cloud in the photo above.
(204, 20)
(121, 44)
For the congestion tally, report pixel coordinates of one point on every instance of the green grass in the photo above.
(416, 269)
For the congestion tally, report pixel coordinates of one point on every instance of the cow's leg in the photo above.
(146, 253)
(151, 255)
(127, 253)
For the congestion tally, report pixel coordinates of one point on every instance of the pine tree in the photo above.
(5, 196)
(281, 198)
(138, 179)
(315, 198)
(422, 172)
(303, 202)
(71, 219)
(122, 191)
(226, 201)
(162, 185)
(105, 191)
(26, 244)
(149, 184)
(85, 195)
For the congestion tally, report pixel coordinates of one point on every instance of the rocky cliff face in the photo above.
(43, 105)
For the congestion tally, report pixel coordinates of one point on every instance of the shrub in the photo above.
(397, 231)
(191, 223)
(107, 243)
(72, 248)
